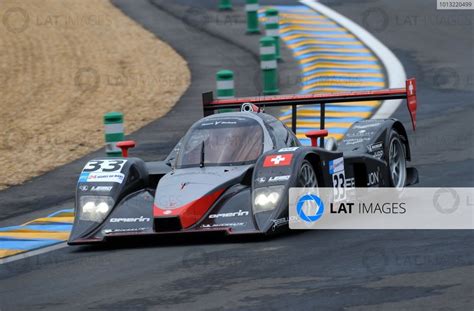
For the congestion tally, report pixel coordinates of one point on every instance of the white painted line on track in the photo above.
(33, 253)
(393, 66)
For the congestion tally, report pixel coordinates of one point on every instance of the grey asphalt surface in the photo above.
(328, 270)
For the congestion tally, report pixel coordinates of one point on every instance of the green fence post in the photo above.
(225, 86)
(268, 64)
(113, 122)
(251, 7)
(225, 5)
(272, 28)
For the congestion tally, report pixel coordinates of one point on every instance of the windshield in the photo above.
(223, 141)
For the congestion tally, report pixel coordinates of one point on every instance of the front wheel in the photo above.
(307, 176)
(396, 160)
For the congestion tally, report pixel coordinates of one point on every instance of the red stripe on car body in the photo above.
(190, 213)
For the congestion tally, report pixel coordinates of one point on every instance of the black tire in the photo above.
(307, 176)
(395, 156)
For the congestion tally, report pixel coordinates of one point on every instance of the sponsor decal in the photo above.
(350, 182)
(288, 149)
(219, 123)
(83, 177)
(102, 177)
(107, 231)
(336, 165)
(279, 178)
(354, 141)
(130, 219)
(365, 126)
(375, 146)
(376, 149)
(373, 178)
(234, 214)
(378, 154)
(233, 224)
(278, 160)
(225, 122)
(362, 134)
(101, 188)
(261, 180)
(95, 188)
(280, 222)
(167, 212)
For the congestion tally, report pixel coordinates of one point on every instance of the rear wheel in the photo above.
(307, 176)
(396, 159)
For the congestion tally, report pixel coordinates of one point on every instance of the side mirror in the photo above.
(125, 145)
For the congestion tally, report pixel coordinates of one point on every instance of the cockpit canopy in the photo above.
(221, 141)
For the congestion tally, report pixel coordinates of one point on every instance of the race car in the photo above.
(231, 172)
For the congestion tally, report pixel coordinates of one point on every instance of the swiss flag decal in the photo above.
(278, 160)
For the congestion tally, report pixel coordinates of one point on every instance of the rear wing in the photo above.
(408, 93)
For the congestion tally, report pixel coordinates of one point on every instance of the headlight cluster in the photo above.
(267, 198)
(95, 208)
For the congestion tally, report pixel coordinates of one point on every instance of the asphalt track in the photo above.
(328, 270)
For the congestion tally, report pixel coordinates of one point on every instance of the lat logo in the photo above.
(278, 160)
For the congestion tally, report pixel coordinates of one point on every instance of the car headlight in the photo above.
(94, 208)
(267, 198)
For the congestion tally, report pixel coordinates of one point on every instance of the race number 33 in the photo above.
(336, 168)
(339, 186)
(107, 166)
